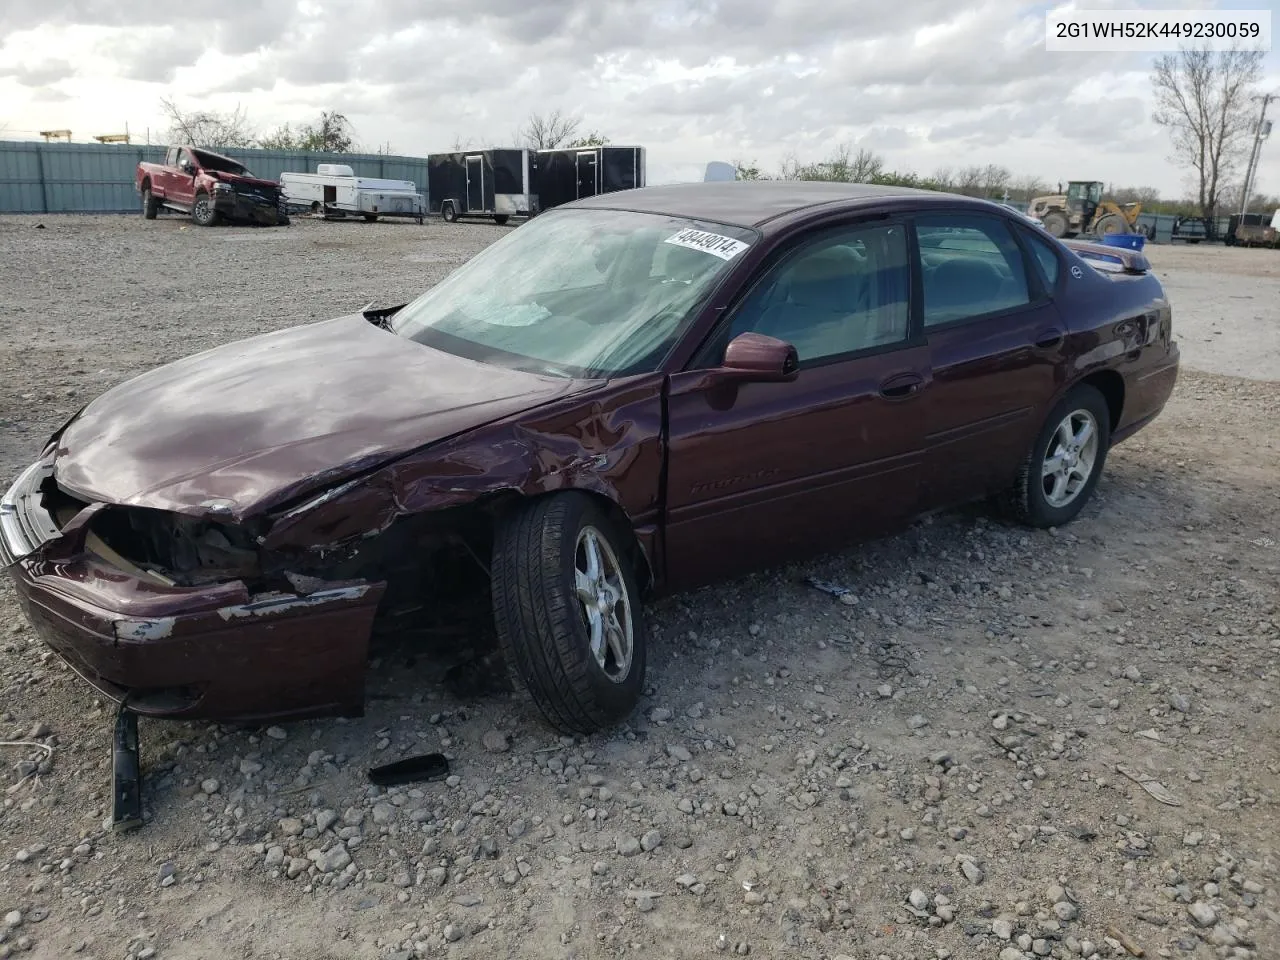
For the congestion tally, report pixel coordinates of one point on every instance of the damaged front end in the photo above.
(184, 616)
(249, 200)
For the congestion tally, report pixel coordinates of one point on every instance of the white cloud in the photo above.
(926, 83)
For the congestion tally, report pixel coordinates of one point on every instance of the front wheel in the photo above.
(1058, 476)
(566, 608)
(1055, 224)
(1111, 223)
(202, 211)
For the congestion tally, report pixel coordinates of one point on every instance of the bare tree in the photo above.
(1027, 187)
(1202, 97)
(843, 166)
(547, 131)
(943, 178)
(969, 181)
(1143, 195)
(207, 128)
(1230, 197)
(995, 179)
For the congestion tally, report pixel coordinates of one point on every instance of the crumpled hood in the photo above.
(236, 178)
(260, 421)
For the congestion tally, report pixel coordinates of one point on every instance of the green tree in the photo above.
(592, 139)
(331, 133)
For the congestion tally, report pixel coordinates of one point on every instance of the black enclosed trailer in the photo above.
(482, 183)
(570, 173)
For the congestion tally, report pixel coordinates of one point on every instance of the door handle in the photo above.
(1049, 338)
(901, 386)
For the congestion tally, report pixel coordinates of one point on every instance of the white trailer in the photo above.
(335, 191)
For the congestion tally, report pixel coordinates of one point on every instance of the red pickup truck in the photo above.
(210, 188)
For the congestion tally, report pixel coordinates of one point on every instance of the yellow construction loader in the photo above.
(1082, 210)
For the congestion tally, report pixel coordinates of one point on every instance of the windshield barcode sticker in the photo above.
(726, 248)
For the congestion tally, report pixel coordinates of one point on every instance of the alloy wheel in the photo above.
(605, 604)
(1069, 458)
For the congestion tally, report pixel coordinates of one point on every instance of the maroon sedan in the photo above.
(632, 394)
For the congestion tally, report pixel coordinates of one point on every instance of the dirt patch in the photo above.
(932, 770)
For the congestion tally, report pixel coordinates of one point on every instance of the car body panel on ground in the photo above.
(732, 374)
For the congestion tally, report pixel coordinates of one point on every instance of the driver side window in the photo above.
(846, 292)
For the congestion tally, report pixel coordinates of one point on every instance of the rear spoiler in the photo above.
(1110, 259)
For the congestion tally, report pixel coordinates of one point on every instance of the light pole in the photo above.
(1259, 134)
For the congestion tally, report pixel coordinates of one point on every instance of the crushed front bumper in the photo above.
(214, 652)
(261, 208)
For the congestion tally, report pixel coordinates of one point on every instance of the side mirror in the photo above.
(754, 356)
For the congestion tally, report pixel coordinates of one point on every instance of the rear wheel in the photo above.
(1055, 224)
(202, 211)
(448, 212)
(501, 219)
(150, 205)
(566, 608)
(1058, 476)
(370, 217)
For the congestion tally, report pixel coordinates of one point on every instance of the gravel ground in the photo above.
(927, 768)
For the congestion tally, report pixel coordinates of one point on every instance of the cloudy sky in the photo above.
(926, 83)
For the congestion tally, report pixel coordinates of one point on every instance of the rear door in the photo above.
(759, 472)
(588, 175)
(996, 348)
(475, 183)
(162, 179)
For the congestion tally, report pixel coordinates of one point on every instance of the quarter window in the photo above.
(847, 292)
(971, 266)
(1045, 256)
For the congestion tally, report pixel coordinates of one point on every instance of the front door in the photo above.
(759, 472)
(588, 185)
(995, 345)
(475, 183)
(182, 185)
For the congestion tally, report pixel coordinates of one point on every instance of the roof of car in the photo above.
(747, 203)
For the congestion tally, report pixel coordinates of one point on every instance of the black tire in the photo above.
(448, 212)
(542, 625)
(1027, 500)
(1055, 224)
(370, 217)
(1111, 223)
(501, 219)
(202, 212)
(150, 205)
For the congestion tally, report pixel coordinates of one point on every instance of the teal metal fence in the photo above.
(40, 177)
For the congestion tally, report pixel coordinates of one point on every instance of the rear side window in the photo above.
(1045, 256)
(971, 266)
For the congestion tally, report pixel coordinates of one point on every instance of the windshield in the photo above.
(577, 293)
